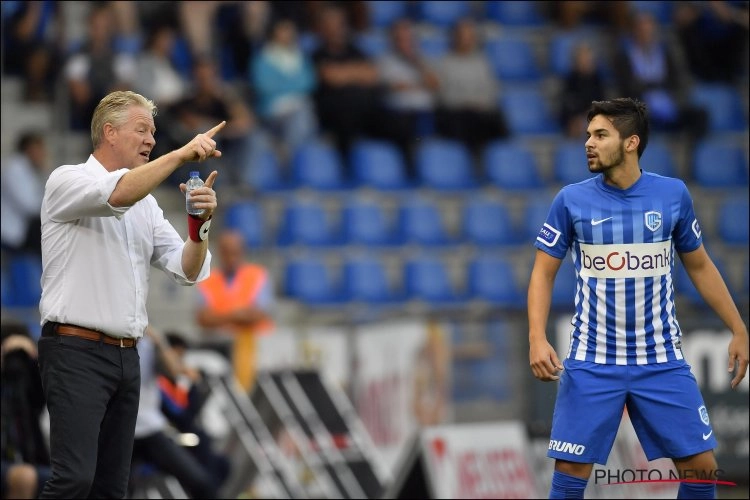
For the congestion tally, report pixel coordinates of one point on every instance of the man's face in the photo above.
(604, 148)
(135, 138)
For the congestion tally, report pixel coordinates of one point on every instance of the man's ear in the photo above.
(632, 143)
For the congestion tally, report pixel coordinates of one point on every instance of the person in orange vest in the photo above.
(237, 299)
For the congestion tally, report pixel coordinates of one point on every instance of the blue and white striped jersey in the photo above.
(622, 243)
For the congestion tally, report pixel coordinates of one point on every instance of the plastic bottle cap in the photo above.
(194, 173)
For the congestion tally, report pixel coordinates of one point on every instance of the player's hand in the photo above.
(544, 362)
(202, 147)
(204, 196)
(738, 357)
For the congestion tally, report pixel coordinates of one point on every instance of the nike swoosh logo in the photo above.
(706, 436)
(595, 222)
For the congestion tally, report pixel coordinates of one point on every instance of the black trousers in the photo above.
(92, 391)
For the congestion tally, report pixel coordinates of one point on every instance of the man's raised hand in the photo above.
(202, 146)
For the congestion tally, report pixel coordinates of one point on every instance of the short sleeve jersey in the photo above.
(622, 243)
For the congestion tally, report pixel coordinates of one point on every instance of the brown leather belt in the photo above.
(85, 333)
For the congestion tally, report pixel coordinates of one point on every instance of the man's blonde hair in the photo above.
(113, 109)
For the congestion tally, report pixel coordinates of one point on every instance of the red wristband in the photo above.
(198, 228)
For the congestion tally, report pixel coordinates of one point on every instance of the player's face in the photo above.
(135, 137)
(604, 147)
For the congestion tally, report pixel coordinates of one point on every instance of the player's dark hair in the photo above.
(629, 117)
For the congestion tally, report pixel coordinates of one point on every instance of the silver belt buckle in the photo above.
(122, 343)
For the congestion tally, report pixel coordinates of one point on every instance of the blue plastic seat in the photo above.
(266, 174)
(25, 274)
(433, 45)
(512, 59)
(316, 164)
(561, 48)
(723, 104)
(309, 280)
(421, 222)
(488, 222)
(372, 43)
(527, 111)
(378, 164)
(365, 222)
(535, 214)
(445, 164)
(246, 217)
(657, 158)
(492, 278)
(366, 280)
(383, 13)
(521, 13)
(511, 166)
(569, 163)
(426, 278)
(307, 222)
(719, 165)
(443, 13)
(734, 220)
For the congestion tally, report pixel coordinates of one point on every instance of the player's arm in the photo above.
(542, 356)
(711, 286)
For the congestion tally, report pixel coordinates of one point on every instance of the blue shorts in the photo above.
(663, 401)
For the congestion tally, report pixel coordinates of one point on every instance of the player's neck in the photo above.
(623, 176)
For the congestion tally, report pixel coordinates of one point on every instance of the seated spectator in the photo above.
(646, 69)
(283, 79)
(29, 46)
(97, 68)
(22, 182)
(714, 38)
(572, 14)
(347, 97)
(153, 442)
(409, 92)
(468, 108)
(24, 455)
(208, 102)
(582, 86)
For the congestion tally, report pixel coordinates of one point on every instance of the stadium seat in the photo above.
(534, 215)
(445, 165)
(723, 104)
(569, 163)
(512, 59)
(527, 111)
(719, 165)
(266, 175)
(366, 280)
(365, 222)
(657, 158)
(433, 44)
(562, 45)
(421, 223)
(316, 164)
(246, 217)
(308, 42)
(491, 278)
(511, 166)
(309, 280)
(520, 13)
(426, 278)
(307, 222)
(734, 220)
(24, 279)
(383, 13)
(488, 222)
(443, 13)
(379, 165)
(372, 43)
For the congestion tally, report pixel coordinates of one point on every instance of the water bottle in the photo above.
(193, 183)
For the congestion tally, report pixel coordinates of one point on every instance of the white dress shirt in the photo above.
(96, 258)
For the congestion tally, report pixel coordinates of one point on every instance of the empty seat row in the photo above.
(447, 165)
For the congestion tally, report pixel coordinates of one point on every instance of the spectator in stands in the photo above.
(283, 79)
(714, 38)
(22, 186)
(646, 69)
(97, 68)
(582, 85)
(237, 301)
(29, 46)
(468, 107)
(211, 100)
(347, 98)
(154, 443)
(572, 14)
(24, 455)
(244, 28)
(409, 92)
